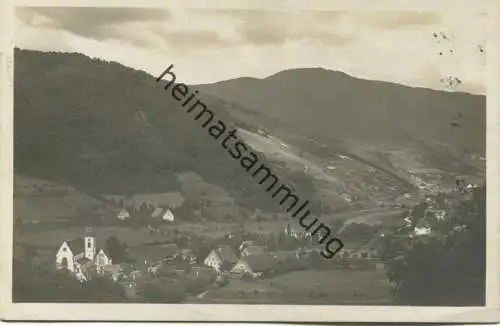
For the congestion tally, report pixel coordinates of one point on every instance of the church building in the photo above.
(80, 254)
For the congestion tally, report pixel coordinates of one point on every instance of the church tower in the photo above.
(90, 245)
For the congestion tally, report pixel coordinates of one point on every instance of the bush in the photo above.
(445, 269)
(33, 283)
(223, 281)
(247, 277)
(195, 287)
(155, 292)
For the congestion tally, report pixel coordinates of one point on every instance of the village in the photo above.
(236, 257)
(151, 252)
(201, 268)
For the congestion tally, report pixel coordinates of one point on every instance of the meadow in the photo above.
(309, 286)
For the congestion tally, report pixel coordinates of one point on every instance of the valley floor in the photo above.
(307, 287)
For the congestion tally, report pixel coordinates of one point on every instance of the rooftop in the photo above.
(226, 253)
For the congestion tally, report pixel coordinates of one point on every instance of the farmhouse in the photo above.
(291, 232)
(422, 228)
(244, 244)
(123, 215)
(439, 214)
(80, 254)
(255, 265)
(163, 213)
(219, 255)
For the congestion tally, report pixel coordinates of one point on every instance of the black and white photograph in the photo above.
(255, 157)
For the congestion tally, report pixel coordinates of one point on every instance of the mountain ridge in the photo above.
(340, 72)
(106, 127)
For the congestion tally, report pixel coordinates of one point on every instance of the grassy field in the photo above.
(309, 287)
(54, 236)
(46, 208)
(50, 238)
(171, 199)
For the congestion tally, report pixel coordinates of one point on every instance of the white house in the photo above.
(78, 254)
(422, 230)
(163, 213)
(255, 265)
(123, 215)
(217, 256)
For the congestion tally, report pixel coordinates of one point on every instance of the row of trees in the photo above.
(35, 283)
(447, 267)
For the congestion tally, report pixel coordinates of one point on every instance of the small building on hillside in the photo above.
(163, 213)
(219, 255)
(263, 132)
(297, 234)
(187, 255)
(256, 265)
(253, 250)
(422, 228)
(123, 215)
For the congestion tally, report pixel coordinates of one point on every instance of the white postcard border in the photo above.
(227, 312)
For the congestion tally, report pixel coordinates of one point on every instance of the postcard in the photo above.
(280, 161)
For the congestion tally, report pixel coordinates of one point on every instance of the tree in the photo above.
(447, 268)
(34, 283)
(156, 292)
(196, 286)
(116, 250)
(226, 266)
(142, 213)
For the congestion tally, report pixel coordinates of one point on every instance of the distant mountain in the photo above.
(344, 142)
(389, 126)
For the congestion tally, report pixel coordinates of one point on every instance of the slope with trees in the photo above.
(447, 267)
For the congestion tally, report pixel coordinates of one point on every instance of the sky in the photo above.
(210, 45)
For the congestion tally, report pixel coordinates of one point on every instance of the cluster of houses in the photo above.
(82, 256)
(160, 213)
(157, 206)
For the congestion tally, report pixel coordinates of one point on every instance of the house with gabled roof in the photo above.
(422, 228)
(163, 213)
(123, 215)
(78, 254)
(256, 265)
(219, 255)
